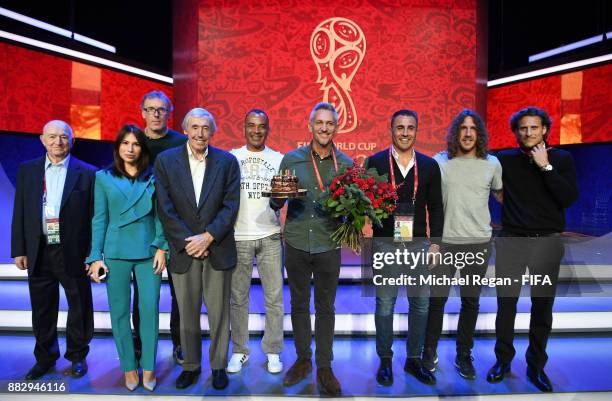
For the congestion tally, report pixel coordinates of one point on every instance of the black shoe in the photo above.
(177, 354)
(39, 370)
(187, 378)
(463, 363)
(497, 372)
(384, 376)
(219, 379)
(415, 367)
(79, 368)
(430, 359)
(539, 379)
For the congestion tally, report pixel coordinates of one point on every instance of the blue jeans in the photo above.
(418, 306)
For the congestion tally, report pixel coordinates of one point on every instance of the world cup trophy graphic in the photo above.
(338, 46)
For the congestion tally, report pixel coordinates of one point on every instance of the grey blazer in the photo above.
(215, 211)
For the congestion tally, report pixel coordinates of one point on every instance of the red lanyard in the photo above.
(44, 199)
(314, 165)
(416, 173)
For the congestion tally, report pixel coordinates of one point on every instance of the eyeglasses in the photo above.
(152, 110)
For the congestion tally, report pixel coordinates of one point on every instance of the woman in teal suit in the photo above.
(126, 236)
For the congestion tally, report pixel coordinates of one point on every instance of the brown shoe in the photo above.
(296, 373)
(328, 384)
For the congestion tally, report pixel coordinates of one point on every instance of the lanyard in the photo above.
(316, 170)
(416, 174)
(44, 199)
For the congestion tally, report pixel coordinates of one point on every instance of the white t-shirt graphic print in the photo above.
(256, 219)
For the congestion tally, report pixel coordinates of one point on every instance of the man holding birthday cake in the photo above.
(309, 250)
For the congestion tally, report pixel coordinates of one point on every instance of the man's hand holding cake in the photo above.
(284, 186)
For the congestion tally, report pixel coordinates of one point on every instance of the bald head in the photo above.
(57, 138)
(60, 125)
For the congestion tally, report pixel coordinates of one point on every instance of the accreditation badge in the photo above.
(403, 223)
(52, 224)
(53, 231)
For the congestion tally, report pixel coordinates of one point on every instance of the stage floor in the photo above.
(577, 364)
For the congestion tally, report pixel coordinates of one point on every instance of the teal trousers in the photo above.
(119, 297)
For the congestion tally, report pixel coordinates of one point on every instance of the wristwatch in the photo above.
(548, 167)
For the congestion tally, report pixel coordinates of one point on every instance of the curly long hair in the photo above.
(482, 140)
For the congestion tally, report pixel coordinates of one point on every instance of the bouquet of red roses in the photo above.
(353, 195)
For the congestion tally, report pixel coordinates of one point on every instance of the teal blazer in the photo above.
(125, 223)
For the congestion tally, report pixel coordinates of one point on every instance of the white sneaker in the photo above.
(236, 362)
(274, 363)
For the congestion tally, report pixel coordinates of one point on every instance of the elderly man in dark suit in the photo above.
(198, 192)
(50, 237)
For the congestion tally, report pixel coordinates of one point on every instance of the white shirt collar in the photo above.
(404, 170)
(63, 163)
(396, 155)
(192, 155)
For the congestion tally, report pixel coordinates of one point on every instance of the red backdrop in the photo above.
(37, 87)
(232, 56)
(579, 103)
(235, 55)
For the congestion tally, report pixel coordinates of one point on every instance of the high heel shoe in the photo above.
(130, 383)
(149, 384)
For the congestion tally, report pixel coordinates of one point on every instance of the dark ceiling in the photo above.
(142, 30)
(521, 28)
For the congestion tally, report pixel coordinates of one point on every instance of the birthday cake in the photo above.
(284, 183)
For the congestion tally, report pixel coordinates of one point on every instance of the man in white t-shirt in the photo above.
(257, 233)
(469, 175)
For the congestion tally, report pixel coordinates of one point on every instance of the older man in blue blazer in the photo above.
(198, 192)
